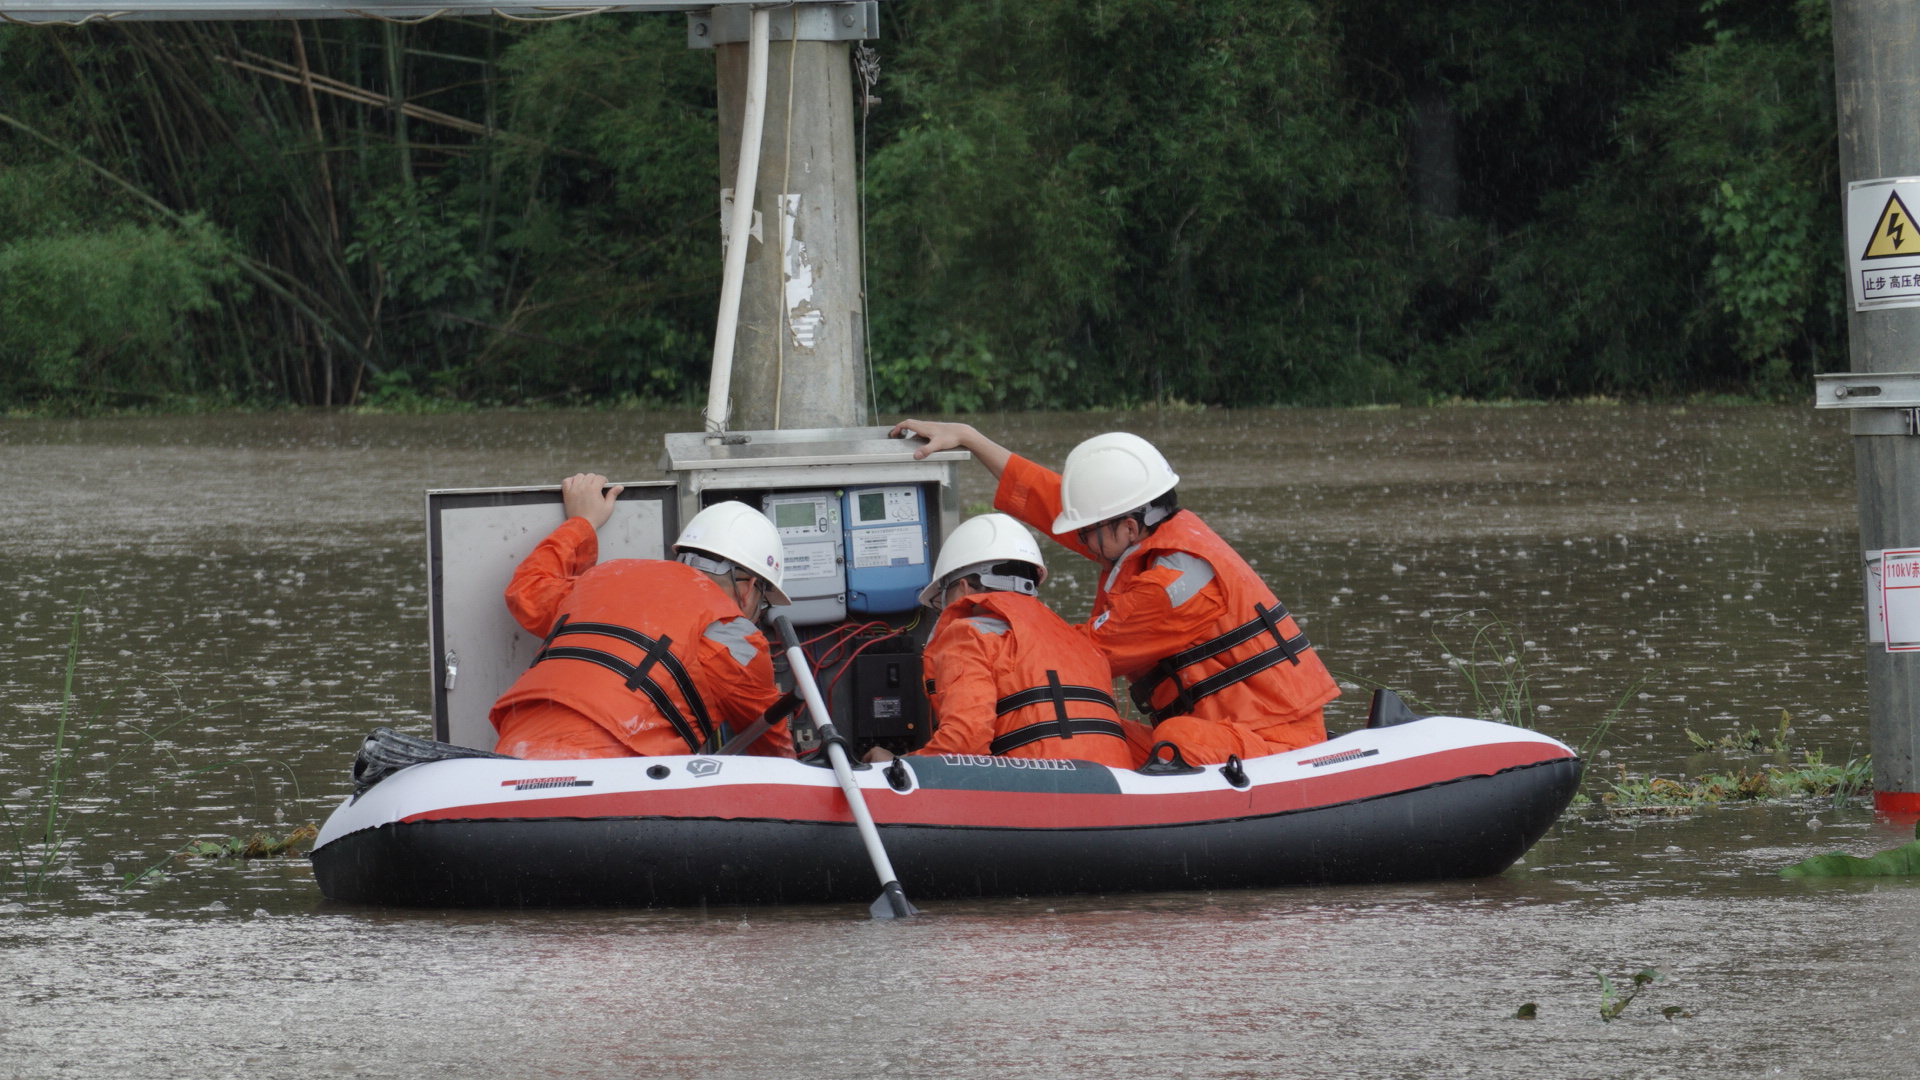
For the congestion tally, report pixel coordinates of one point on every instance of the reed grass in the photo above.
(1494, 668)
(1814, 778)
(45, 840)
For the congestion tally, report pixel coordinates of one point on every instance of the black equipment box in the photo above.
(889, 701)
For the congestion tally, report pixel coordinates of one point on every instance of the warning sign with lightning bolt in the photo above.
(1894, 234)
(1883, 242)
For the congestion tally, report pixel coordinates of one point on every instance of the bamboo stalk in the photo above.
(319, 136)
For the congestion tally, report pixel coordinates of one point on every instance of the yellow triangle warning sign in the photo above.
(1895, 232)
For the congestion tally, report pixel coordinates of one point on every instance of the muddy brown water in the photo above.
(250, 592)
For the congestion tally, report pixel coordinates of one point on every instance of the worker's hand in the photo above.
(939, 435)
(581, 494)
(877, 755)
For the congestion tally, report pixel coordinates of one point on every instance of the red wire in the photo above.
(848, 666)
(841, 629)
(826, 657)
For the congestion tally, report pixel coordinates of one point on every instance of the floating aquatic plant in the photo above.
(1813, 779)
(257, 846)
(1615, 998)
(1750, 740)
(1897, 862)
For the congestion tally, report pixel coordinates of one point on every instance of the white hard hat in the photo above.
(737, 534)
(976, 547)
(1110, 475)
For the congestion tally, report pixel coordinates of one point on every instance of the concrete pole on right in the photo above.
(1876, 45)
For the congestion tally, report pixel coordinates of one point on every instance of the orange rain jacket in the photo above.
(592, 678)
(994, 660)
(1180, 588)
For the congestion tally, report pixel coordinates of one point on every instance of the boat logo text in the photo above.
(1338, 759)
(541, 782)
(1008, 762)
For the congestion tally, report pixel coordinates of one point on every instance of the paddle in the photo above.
(893, 901)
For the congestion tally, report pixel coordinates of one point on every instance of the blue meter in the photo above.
(887, 562)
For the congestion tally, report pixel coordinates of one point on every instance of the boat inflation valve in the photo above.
(1170, 765)
(1235, 775)
(658, 772)
(898, 776)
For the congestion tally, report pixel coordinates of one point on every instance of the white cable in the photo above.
(746, 176)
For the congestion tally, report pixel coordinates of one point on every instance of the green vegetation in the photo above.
(1749, 741)
(1897, 862)
(47, 818)
(1615, 998)
(1494, 667)
(1116, 204)
(257, 846)
(1813, 779)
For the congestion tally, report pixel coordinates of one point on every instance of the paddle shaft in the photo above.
(837, 754)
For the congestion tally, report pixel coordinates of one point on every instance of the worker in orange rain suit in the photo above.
(1212, 656)
(643, 656)
(1008, 676)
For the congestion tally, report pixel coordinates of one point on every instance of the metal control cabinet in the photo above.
(476, 537)
(751, 465)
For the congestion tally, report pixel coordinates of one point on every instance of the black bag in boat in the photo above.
(386, 751)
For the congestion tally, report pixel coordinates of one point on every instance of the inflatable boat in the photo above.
(1438, 797)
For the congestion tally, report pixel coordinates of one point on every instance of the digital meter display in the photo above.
(795, 515)
(873, 506)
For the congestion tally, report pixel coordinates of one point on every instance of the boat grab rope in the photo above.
(386, 751)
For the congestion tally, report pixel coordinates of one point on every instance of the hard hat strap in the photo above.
(706, 564)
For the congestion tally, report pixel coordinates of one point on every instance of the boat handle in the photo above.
(453, 669)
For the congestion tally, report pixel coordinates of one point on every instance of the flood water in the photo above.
(250, 594)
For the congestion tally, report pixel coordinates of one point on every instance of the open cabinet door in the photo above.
(476, 537)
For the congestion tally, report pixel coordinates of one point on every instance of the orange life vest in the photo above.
(1051, 693)
(1256, 667)
(624, 651)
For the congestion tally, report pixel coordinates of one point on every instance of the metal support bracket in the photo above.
(1879, 403)
(817, 22)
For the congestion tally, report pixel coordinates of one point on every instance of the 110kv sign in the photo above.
(1883, 242)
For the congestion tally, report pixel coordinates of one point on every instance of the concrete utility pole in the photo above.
(800, 353)
(1876, 45)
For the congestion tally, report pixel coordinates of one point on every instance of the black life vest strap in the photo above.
(1051, 729)
(1040, 694)
(638, 677)
(1265, 621)
(666, 660)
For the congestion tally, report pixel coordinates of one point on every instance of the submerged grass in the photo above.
(1750, 740)
(1813, 779)
(257, 846)
(1897, 862)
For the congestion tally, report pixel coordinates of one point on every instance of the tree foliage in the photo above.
(1071, 204)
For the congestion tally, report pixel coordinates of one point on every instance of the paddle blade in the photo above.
(893, 903)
